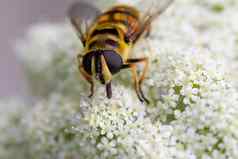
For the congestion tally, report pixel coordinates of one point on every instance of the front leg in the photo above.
(131, 63)
(109, 90)
(89, 79)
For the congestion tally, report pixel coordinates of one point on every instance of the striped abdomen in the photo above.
(117, 24)
(126, 17)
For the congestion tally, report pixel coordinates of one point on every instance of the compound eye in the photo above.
(114, 61)
(87, 62)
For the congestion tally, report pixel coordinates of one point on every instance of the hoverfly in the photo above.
(108, 40)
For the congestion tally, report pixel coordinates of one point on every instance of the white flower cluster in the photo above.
(191, 85)
(46, 67)
(13, 137)
(118, 128)
(198, 105)
(207, 25)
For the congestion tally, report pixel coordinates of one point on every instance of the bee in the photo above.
(108, 41)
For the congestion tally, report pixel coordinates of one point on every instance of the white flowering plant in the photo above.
(191, 83)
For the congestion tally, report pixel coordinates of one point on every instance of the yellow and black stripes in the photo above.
(112, 31)
(103, 41)
(126, 19)
(124, 9)
(119, 18)
(115, 30)
(108, 42)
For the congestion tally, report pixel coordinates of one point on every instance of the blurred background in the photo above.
(16, 17)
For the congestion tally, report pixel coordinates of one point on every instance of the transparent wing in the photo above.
(81, 15)
(149, 11)
(84, 12)
(152, 8)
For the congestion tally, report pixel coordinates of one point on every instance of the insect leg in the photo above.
(135, 79)
(109, 90)
(138, 82)
(89, 79)
(142, 77)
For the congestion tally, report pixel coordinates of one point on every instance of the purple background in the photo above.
(16, 16)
